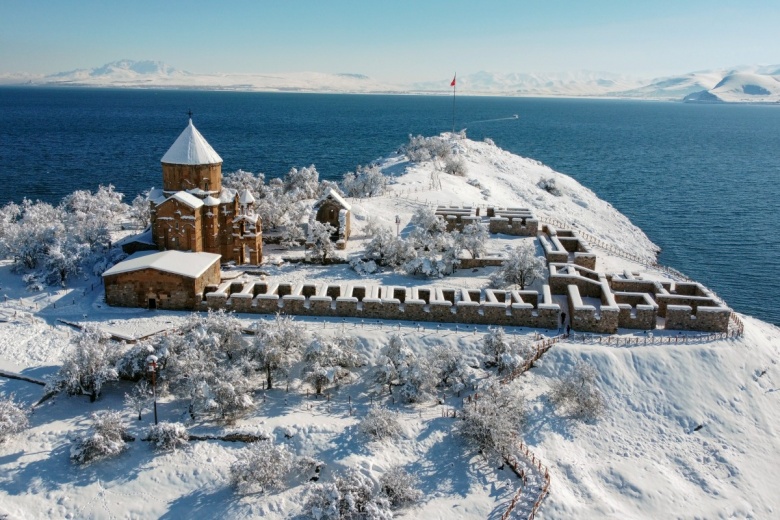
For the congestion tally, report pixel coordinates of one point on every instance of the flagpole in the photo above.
(454, 87)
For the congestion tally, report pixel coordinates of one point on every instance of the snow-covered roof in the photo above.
(331, 194)
(185, 198)
(191, 148)
(227, 195)
(211, 201)
(246, 197)
(156, 195)
(182, 263)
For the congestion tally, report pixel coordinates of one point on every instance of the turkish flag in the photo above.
(453, 81)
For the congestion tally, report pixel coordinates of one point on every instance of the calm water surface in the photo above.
(700, 180)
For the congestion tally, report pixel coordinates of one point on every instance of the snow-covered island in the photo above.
(325, 416)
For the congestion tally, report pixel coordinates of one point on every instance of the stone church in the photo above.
(193, 212)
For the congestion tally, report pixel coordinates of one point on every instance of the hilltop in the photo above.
(689, 430)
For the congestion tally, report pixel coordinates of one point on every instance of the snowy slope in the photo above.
(741, 87)
(690, 429)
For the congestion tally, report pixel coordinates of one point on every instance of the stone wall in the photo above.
(430, 304)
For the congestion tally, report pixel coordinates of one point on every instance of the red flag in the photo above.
(453, 81)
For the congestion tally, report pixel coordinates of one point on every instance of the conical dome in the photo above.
(191, 148)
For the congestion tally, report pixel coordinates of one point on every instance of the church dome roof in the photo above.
(246, 197)
(191, 148)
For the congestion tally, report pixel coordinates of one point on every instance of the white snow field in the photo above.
(689, 430)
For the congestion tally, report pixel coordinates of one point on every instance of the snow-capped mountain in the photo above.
(743, 84)
(578, 83)
(741, 87)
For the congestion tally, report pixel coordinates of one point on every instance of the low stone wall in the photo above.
(708, 319)
(587, 318)
(430, 304)
(558, 245)
(637, 310)
(471, 263)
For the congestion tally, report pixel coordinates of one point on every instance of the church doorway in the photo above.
(152, 303)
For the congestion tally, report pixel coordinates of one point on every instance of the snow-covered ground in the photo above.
(689, 430)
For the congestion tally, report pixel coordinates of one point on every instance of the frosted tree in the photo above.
(456, 166)
(133, 364)
(416, 384)
(168, 436)
(395, 360)
(261, 467)
(107, 437)
(139, 397)
(381, 423)
(576, 393)
(366, 181)
(400, 487)
(240, 180)
(13, 418)
(350, 497)
(386, 248)
(277, 346)
(328, 361)
(319, 241)
(493, 419)
(495, 345)
(450, 368)
(427, 228)
(87, 365)
(399, 367)
(303, 183)
(473, 239)
(206, 364)
(141, 210)
(521, 268)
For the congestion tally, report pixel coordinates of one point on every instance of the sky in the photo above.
(392, 41)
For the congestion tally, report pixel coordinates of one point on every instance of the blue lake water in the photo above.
(701, 180)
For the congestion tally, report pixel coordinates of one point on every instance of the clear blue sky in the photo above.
(392, 40)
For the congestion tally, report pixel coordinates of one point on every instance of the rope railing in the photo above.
(523, 475)
(650, 339)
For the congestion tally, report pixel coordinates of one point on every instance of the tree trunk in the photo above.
(268, 381)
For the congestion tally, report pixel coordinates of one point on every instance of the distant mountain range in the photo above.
(747, 84)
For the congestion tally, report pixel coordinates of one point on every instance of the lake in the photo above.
(700, 180)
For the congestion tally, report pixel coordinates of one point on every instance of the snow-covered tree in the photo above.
(141, 210)
(106, 437)
(521, 268)
(576, 393)
(473, 239)
(303, 183)
(456, 166)
(427, 228)
(395, 359)
(491, 422)
(400, 487)
(139, 397)
(386, 248)
(399, 367)
(381, 423)
(320, 241)
(277, 346)
(450, 368)
(87, 365)
(241, 180)
(168, 436)
(350, 497)
(366, 181)
(262, 466)
(421, 149)
(206, 363)
(13, 418)
(133, 364)
(329, 360)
